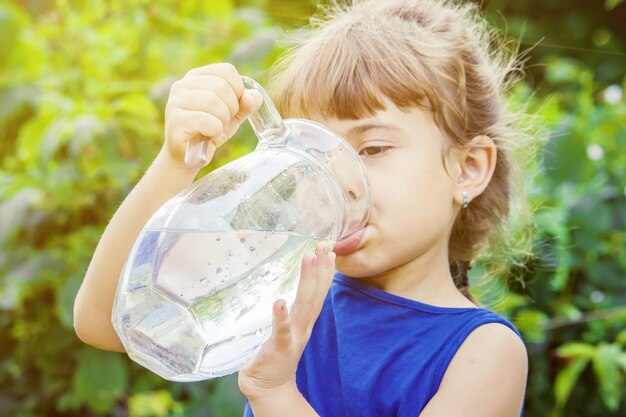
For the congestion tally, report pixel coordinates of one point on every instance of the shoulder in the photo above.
(486, 375)
(488, 344)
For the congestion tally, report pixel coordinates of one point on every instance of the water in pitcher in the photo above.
(198, 302)
(195, 297)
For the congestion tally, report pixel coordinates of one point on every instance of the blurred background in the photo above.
(83, 85)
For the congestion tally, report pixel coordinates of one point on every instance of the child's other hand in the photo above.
(273, 370)
(208, 103)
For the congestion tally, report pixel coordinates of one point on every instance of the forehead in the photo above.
(392, 121)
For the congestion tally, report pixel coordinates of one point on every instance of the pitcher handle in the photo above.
(266, 122)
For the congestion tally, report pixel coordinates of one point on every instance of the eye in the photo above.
(374, 150)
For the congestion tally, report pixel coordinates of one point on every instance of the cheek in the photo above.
(410, 193)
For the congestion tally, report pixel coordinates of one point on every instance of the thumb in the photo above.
(250, 102)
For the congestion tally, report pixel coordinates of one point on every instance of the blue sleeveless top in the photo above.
(375, 354)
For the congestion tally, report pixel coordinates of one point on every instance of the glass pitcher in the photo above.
(195, 297)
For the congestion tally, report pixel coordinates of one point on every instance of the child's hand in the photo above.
(273, 370)
(208, 103)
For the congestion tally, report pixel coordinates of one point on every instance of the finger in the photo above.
(250, 102)
(224, 70)
(194, 123)
(206, 101)
(212, 83)
(302, 309)
(326, 265)
(325, 271)
(281, 327)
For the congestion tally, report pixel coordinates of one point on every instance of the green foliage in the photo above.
(100, 378)
(154, 404)
(570, 304)
(572, 309)
(83, 85)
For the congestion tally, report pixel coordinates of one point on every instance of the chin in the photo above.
(357, 265)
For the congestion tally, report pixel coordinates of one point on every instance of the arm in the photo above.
(94, 302)
(209, 102)
(486, 378)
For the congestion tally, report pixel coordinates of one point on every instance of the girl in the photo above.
(413, 86)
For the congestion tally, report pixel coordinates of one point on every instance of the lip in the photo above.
(349, 244)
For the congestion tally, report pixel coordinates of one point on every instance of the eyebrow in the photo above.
(372, 126)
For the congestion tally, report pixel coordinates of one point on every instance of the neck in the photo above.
(426, 279)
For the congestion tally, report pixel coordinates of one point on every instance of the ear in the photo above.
(476, 164)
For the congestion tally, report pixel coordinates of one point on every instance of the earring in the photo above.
(465, 199)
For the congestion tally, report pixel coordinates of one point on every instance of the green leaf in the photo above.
(100, 379)
(576, 350)
(12, 20)
(566, 379)
(153, 404)
(531, 324)
(563, 70)
(606, 366)
(611, 4)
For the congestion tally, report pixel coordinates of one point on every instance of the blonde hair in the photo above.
(434, 53)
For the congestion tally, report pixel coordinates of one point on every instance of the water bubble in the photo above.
(243, 240)
(252, 248)
(260, 332)
(218, 239)
(246, 263)
(218, 270)
(204, 280)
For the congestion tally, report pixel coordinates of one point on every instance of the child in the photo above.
(412, 85)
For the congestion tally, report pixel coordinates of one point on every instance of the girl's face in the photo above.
(412, 194)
